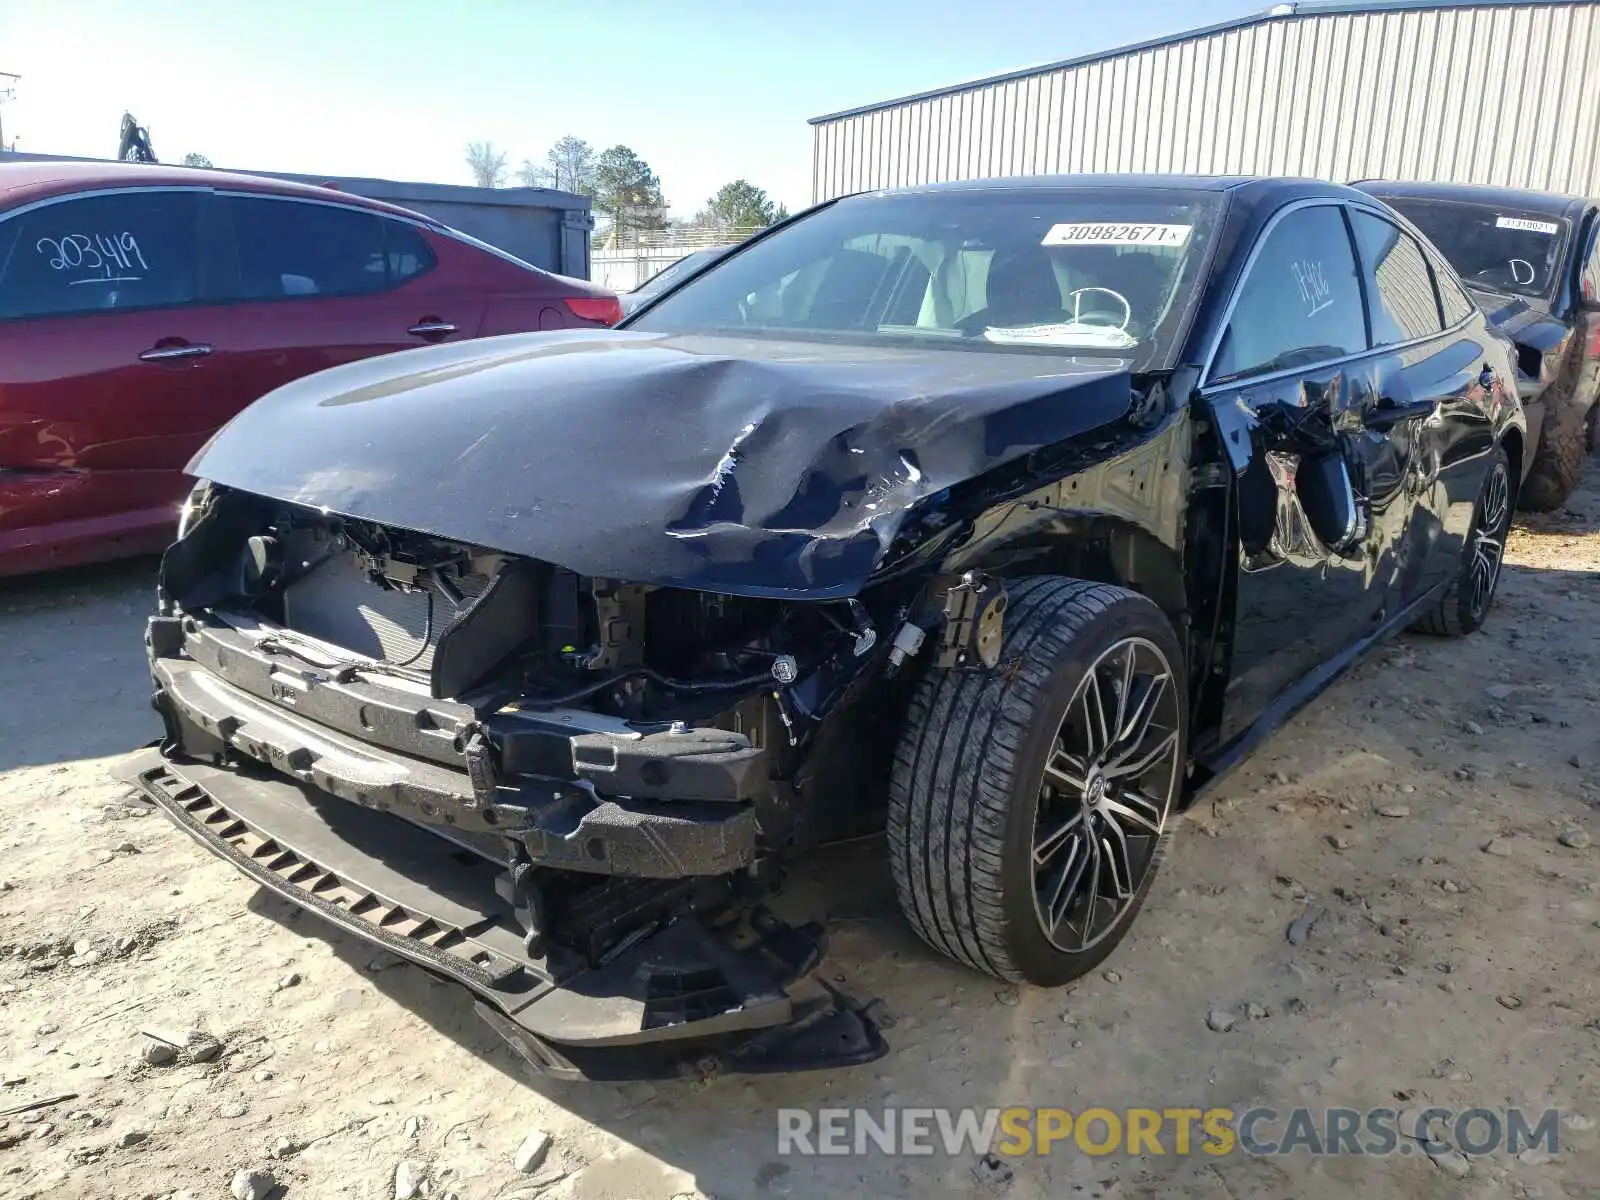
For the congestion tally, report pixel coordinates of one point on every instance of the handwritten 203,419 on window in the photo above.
(95, 258)
(1116, 233)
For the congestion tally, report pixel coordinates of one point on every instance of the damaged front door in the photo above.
(1287, 388)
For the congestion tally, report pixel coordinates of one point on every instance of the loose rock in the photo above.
(1337, 841)
(1300, 928)
(1219, 1020)
(1509, 1001)
(1256, 1012)
(1111, 977)
(1473, 728)
(412, 1127)
(285, 1147)
(993, 1172)
(1575, 761)
(292, 979)
(200, 1046)
(531, 1154)
(1394, 810)
(157, 1054)
(1575, 838)
(252, 1185)
(132, 1137)
(409, 1178)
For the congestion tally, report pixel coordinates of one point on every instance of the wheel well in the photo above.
(1512, 443)
(1103, 549)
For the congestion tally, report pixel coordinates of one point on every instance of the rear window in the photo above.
(1503, 249)
(1109, 271)
(123, 250)
(289, 248)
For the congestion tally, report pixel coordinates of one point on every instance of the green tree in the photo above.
(627, 191)
(488, 165)
(739, 209)
(196, 160)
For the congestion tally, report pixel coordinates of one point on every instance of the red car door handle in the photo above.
(431, 328)
(168, 353)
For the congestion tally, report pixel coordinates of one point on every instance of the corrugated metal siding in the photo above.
(1492, 95)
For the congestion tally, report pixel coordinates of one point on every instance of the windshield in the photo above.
(1508, 250)
(670, 275)
(1060, 271)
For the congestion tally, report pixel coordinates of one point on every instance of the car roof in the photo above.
(38, 179)
(1259, 186)
(1555, 203)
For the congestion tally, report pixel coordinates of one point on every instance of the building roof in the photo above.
(1278, 12)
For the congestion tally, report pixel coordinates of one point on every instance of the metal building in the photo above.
(1497, 92)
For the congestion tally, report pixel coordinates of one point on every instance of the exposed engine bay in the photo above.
(534, 700)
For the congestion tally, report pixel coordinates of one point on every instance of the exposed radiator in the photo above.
(337, 603)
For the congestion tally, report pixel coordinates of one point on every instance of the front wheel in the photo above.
(1471, 593)
(1028, 804)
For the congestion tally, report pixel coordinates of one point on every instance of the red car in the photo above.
(143, 306)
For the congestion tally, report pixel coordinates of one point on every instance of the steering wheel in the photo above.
(1100, 317)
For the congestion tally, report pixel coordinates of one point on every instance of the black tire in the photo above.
(1565, 439)
(1590, 424)
(969, 788)
(1465, 605)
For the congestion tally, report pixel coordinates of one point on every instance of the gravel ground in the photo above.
(1438, 804)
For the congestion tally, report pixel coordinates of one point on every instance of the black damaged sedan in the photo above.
(1002, 516)
(1532, 259)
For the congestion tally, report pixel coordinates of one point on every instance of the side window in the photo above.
(127, 250)
(1453, 298)
(294, 248)
(1300, 303)
(1399, 283)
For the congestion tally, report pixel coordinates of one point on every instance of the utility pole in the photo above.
(8, 91)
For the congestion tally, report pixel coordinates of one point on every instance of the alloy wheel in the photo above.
(1108, 787)
(1489, 539)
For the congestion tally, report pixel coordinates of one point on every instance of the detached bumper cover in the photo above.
(686, 999)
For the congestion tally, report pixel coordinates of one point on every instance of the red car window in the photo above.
(124, 250)
(292, 248)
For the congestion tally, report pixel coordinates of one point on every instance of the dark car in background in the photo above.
(1532, 259)
(670, 276)
(1007, 516)
(142, 306)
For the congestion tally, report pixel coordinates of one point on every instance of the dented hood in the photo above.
(735, 465)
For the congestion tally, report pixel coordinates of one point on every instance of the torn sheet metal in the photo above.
(740, 465)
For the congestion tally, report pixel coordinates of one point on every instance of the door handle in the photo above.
(1389, 414)
(169, 353)
(432, 328)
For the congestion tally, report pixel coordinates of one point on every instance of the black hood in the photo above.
(726, 464)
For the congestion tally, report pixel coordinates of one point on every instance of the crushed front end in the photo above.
(573, 796)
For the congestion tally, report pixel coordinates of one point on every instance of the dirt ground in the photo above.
(1443, 973)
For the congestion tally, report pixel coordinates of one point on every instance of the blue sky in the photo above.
(704, 91)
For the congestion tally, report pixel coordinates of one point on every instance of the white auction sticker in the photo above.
(1116, 233)
(1526, 225)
